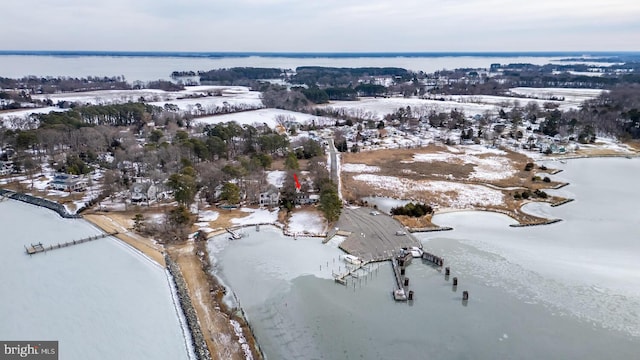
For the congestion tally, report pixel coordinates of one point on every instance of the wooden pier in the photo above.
(39, 248)
(234, 235)
(398, 263)
(342, 278)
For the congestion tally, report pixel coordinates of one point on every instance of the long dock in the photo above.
(39, 248)
(399, 263)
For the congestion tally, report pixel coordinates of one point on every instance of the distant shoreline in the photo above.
(241, 54)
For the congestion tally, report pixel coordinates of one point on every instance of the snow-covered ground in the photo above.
(204, 220)
(377, 108)
(195, 100)
(16, 119)
(257, 216)
(570, 95)
(246, 349)
(508, 102)
(451, 194)
(359, 168)
(41, 182)
(307, 222)
(244, 100)
(276, 178)
(208, 215)
(486, 167)
(264, 116)
(106, 97)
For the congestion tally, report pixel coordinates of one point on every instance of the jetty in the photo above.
(39, 248)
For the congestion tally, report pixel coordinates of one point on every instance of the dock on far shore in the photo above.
(39, 248)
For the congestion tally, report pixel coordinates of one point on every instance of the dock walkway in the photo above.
(39, 248)
(342, 278)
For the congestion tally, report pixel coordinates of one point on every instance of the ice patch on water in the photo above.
(608, 308)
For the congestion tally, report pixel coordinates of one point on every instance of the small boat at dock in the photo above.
(416, 252)
(352, 259)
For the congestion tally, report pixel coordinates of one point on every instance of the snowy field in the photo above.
(377, 108)
(359, 168)
(486, 167)
(276, 178)
(16, 119)
(106, 97)
(576, 96)
(307, 222)
(451, 194)
(239, 99)
(264, 116)
(508, 102)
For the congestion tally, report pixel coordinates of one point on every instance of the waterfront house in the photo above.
(143, 191)
(270, 197)
(68, 182)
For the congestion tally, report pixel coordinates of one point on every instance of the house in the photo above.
(7, 154)
(6, 167)
(143, 191)
(307, 199)
(270, 198)
(68, 182)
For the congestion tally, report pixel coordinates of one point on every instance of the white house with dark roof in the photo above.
(68, 182)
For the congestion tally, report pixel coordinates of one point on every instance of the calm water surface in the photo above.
(154, 68)
(100, 300)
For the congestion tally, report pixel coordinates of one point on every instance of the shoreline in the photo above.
(141, 244)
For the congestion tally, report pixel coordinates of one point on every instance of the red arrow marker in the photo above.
(295, 177)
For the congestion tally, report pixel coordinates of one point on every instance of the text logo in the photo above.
(41, 350)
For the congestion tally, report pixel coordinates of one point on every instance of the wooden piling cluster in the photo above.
(39, 248)
(436, 260)
(342, 278)
(454, 285)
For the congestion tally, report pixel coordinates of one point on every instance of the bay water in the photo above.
(99, 300)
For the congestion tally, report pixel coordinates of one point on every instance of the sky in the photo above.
(321, 25)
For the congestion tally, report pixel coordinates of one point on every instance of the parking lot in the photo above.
(374, 235)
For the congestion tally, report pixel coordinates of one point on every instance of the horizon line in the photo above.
(128, 53)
